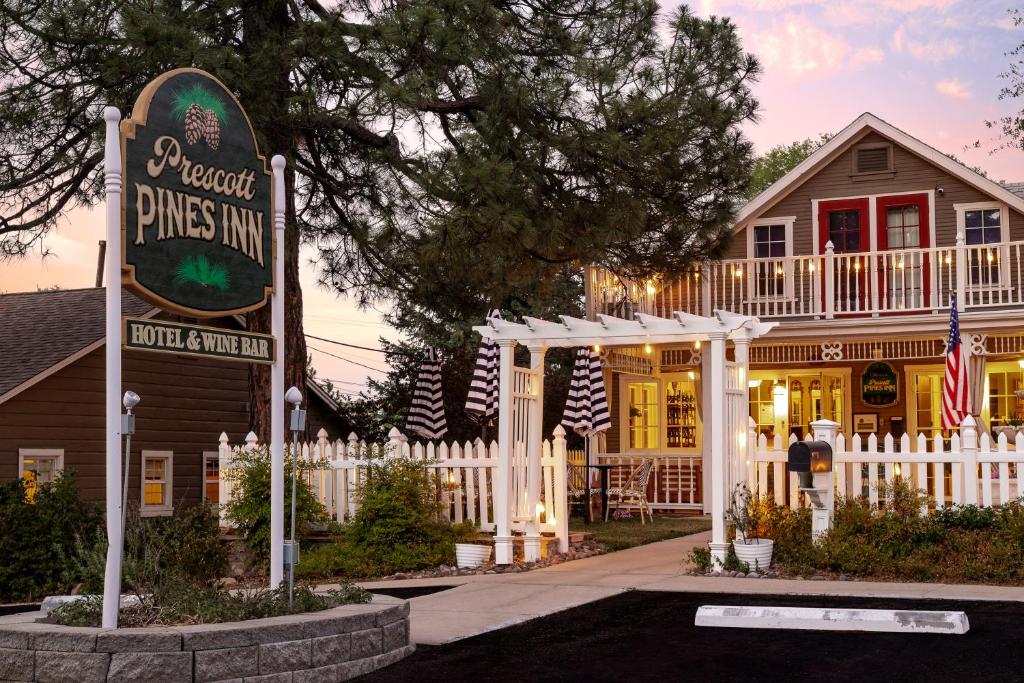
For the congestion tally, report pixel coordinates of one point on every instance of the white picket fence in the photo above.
(464, 476)
(971, 468)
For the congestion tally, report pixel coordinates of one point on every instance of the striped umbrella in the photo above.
(426, 416)
(586, 409)
(483, 391)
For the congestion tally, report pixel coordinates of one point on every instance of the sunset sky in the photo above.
(929, 67)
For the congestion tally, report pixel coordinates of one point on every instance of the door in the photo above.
(845, 223)
(903, 268)
(815, 397)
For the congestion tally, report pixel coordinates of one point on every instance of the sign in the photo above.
(880, 385)
(197, 235)
(197, 340)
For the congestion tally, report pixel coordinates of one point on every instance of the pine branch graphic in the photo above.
(201, 271)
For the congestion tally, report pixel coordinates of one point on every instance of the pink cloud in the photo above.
(867, 55)
(799, 48)
(954, 88)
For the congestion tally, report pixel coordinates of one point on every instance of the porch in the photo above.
(827, 285)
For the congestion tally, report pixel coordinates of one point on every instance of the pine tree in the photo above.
(432, 145)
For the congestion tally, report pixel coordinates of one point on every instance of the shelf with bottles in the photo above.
(681, 415)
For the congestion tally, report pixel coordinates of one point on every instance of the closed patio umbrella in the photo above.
(426, 416)
(586, 408)
(482, 401)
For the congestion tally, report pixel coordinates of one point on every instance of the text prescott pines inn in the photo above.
(181, 215)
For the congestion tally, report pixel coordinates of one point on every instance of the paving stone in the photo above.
(343, 622)
(80, 667)
(393, 614)
(331, 649)
(217, 637)
(139, 640)
(234, 662)
(16, 665)
(288, 656)
(394, 636)
(152, 667)
(14, 639)
(65, 639)
(366, 643)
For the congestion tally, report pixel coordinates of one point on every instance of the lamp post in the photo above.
(298, 424)
(130, 400)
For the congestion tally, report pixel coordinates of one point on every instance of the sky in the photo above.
(929, 67)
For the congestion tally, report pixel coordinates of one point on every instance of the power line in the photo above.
(347, 360)
(356, 346)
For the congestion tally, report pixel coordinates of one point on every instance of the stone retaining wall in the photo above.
(318, 647)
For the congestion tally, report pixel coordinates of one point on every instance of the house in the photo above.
(857, 254)
(52, 401)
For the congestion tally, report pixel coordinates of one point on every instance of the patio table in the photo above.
(604, 468)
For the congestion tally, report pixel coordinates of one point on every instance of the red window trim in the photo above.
(918, 198)
(860, 204)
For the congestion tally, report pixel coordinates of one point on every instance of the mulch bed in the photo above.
(650, 636)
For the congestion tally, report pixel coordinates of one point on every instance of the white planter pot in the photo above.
(756, 552)
(471, 554)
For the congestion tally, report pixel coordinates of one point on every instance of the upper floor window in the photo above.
(771, 242)
(844, 230)
(984, 224)
(903, 226)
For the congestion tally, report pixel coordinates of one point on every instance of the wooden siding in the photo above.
(912, 174)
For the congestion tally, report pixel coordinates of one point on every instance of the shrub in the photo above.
(249, 507)
(183, 547)
(397, 527)
(37, 537)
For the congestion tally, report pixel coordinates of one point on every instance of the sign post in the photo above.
(189, 206)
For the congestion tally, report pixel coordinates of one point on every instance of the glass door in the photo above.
(844, 223)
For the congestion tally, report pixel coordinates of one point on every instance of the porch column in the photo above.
(534, 471)
(719, 546)
(503, 476)
(741, 345)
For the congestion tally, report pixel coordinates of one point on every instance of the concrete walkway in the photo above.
(487, 602)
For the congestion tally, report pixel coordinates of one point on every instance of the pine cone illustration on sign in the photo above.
(195, 123)
(211, 128)
(202, 113)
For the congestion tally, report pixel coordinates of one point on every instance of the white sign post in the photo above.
(277, 385)
(115, 540)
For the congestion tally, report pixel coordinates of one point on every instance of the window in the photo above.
(770, 242)
(211, 476)
(38, 466)
(844, 230)
(642, 404)
(1003, 405)
(681, 414)
(905, 281)
(983, 224)
(762, 406)
(158, 482)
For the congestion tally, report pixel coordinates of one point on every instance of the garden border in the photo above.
(331, 645)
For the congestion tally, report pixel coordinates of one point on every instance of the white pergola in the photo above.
(521, 399)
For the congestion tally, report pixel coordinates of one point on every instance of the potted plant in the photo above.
(470, 550)
(744, 514)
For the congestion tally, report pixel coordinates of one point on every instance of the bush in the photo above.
(249, 507)
(397, 527)
(37, 537)
(184, 547)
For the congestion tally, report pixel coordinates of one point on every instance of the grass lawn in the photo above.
(619, 534)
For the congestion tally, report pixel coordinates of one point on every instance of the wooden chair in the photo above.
(633, 493)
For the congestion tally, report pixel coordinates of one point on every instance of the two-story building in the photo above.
(857, 253)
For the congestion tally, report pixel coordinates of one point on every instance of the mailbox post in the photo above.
(812, 460)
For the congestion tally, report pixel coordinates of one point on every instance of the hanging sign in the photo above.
(197, 233)
(880, 385)
(197, 340)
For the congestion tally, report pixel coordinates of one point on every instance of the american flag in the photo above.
(955, 386)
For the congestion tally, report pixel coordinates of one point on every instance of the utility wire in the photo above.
(347, 360)
(356, 346)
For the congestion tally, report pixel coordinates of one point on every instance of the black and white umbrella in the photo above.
(426, 416)
(586, 409)
(482, 401)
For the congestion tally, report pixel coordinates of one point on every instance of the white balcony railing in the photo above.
(829, 285)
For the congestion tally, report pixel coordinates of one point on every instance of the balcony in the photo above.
(826, 286)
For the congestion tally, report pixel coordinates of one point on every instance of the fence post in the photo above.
(752, 482)
(352, 475)
(394, 443)
(969, 447)
(830, 283)
(326, 484)
(251, 440)
(223, 486)
(561, 491)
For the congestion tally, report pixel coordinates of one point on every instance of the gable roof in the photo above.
(42, 329)
(847, 136)
(42, 332)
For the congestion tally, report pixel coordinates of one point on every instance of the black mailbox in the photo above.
(809, 457)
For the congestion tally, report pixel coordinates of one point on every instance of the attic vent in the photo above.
(872, 159)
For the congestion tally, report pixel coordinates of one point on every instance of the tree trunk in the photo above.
(265, 94)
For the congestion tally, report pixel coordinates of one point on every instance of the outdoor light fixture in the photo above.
(691, 375)
(648, 349)
(650, 288)
(597, 348)
(696, 345)
(298, 424)
(754, 383)
(130, 400)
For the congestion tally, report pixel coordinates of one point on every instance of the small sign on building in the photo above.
(880, 385)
